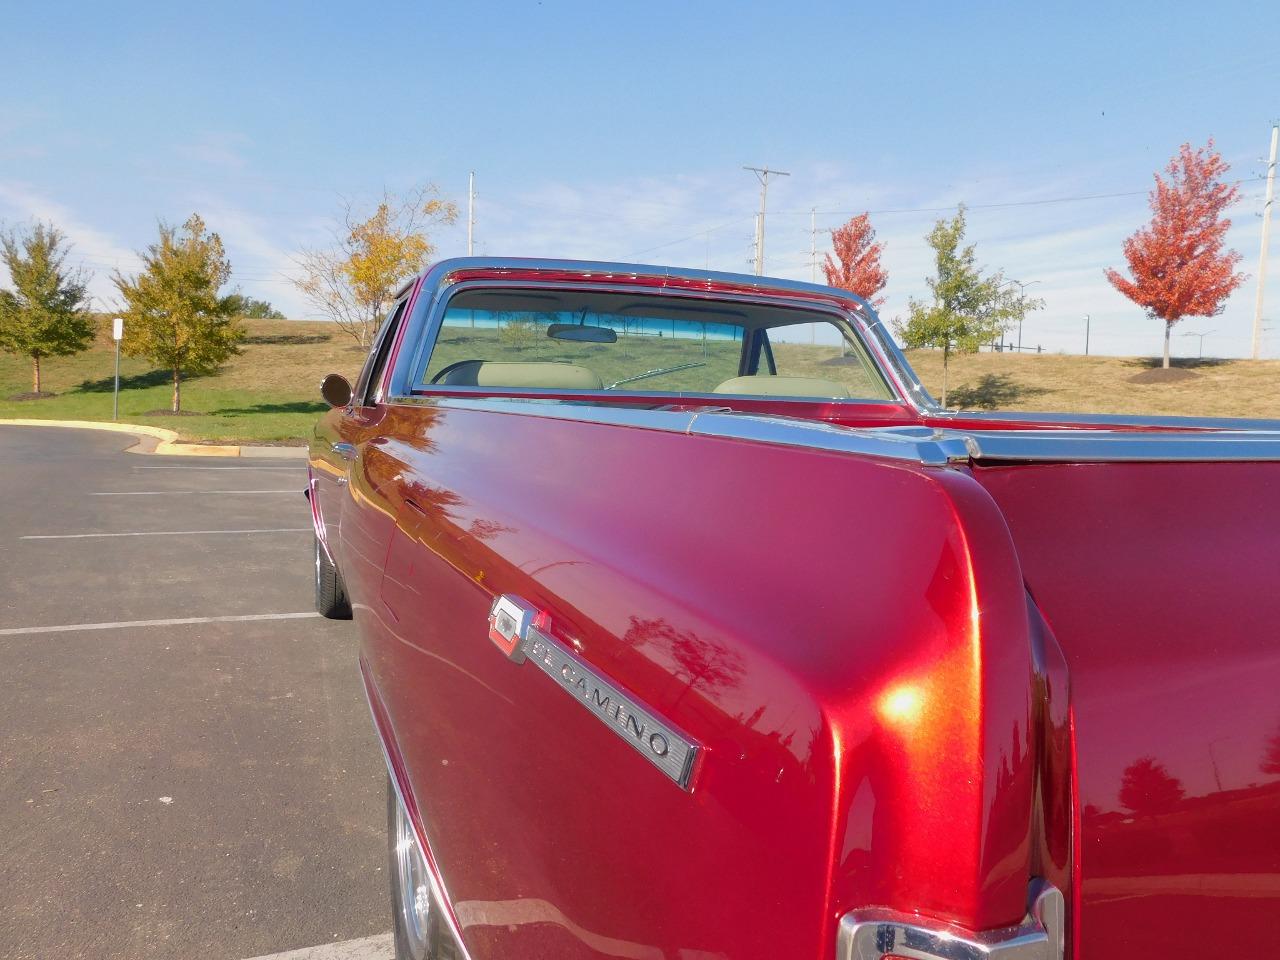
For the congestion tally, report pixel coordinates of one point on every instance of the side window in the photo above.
(371, 375)
(821, 351)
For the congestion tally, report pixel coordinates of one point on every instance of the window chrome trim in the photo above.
(875, 933)
(1124, 446)
(428, 314)
(1113, 420)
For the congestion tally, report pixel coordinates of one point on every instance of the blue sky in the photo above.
(618, 131)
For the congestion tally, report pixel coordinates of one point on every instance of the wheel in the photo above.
(331, 593)
(413, 908)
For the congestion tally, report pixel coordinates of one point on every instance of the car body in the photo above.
(758, 653)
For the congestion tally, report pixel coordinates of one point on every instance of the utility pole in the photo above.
(1087, 318)
(471, 212)
(1266, 239)
(763, 174)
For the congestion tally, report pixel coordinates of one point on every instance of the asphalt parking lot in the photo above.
(202, 788)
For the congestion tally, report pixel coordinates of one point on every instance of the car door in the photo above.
(345, 482)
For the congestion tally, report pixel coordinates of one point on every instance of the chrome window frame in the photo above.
(851, 314)
(368, 390)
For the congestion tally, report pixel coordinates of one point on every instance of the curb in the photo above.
(164, 442)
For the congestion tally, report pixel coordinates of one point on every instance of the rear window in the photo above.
(585, 341)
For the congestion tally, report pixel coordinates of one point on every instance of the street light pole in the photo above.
(1086, 334)
(1022, 303)
(1201, 336)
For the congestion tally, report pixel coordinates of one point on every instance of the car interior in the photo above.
(587, 341)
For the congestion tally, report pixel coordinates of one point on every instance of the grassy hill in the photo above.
(1077, 384)
(270, 392)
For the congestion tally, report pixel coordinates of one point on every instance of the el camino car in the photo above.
(692, 628)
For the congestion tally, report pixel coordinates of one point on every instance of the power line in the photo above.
(692, 236)
(990, 206)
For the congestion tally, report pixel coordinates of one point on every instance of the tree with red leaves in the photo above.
(856, 266)
(1178, 266)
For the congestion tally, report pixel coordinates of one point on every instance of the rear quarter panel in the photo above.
(811, 619)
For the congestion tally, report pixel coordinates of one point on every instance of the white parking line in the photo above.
(158, 533)
(186, 493)
(380, 947)
(172, 622)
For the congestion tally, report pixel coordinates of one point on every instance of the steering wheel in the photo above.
(444, 371)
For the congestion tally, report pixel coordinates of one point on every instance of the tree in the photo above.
(856, 266)
(46, 314)
(1147, 789)
(353, 282)
(175, 315)
(1271, 761)
(968, 309)
(252, 309)
(1177, 263)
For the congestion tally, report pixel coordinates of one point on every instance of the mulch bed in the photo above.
(1161, 375)
(32, 396)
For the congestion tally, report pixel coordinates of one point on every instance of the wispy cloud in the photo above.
(225, 151)
(96, 250)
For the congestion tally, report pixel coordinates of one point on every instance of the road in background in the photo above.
(205, 789)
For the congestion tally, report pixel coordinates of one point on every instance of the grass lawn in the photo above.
(1077, 384)
(270, 393)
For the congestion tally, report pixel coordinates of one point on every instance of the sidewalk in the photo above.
(158, 440)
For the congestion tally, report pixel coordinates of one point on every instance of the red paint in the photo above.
(1160, 581)
(811, 701)
(888, 717)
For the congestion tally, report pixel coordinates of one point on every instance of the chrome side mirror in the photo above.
(336, 390)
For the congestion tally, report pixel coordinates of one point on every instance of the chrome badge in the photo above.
(517, 628)
(509, 621)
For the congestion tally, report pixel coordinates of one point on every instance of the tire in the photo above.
(331, 593)
(418, 933)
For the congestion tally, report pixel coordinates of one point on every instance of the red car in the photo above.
(692, 628)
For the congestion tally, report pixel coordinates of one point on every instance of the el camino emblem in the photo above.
(517, 629)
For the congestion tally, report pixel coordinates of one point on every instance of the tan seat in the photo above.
(548, 374)
(767, 386)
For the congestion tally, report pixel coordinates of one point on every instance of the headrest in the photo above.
(491, 373)
(767, 386)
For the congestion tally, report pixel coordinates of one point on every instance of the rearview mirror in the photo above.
(581, 334)
(336, 390)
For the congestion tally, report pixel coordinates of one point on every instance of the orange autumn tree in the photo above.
(1177, 263)
(856, 266)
